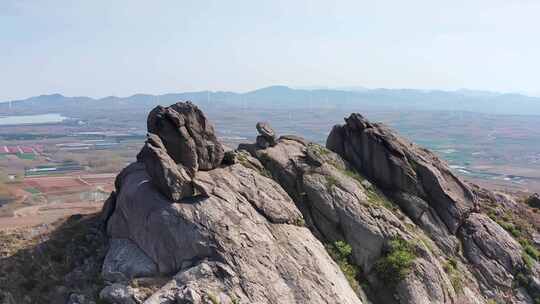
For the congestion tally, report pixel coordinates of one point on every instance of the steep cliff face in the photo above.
(372, 218)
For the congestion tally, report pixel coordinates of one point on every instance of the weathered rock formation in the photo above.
(267, 136)
(239, 239)
(372, 219)
(187, 135)
(534, 200)
(430, 194)
(341, 205)
(172, 180)
(400, 166)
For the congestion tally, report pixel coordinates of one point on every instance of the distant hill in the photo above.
(286, 97)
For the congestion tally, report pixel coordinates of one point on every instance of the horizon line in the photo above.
(344, 88)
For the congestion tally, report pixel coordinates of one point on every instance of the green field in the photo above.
(32, 190)
(27, 156)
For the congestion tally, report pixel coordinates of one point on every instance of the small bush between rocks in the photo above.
(330, 181)
(451, 268)
(530, 249)
(244, 161)
(318, 149)
(213, 298)
(341, 253)
(354, 175)
(396, 263)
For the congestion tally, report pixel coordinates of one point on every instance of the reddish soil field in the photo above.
(21, 149)
(99, 179)
(69, 183)
(58, 197)
(47, 214)
(54, 183)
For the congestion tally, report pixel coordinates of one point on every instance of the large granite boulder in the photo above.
(495, 255)
(267, 135)
(171, 179)
(244, 238)
(187, 135)
(534, 200)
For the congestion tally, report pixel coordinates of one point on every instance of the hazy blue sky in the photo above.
(112, 47)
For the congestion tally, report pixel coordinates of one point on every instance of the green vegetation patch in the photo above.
(519, 230)
(32, 190)
(396, 262)
(26, 156)
(318, 149)
(529, 249)
(213, 298)
(323, 155)
(330, 181)
(341, 253)
(451, 269)
(518, 226)
(527, 259)
(244, 161)
(354, 175)
(375, 196)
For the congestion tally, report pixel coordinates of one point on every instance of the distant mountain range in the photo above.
(295, 98)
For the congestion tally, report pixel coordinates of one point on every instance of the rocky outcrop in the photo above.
(188, 136)
(171, 179)
(496, 256)
(430, 194)
(238, 238)
(180, 142)
(247, 222)
(341, 205)
(399, 166)
(125, 261)
(267, 136)
(263, 223)
(534, 200)
(117, 293)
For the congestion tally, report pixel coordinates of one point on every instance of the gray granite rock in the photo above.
(495, 255)
(398, 165)
(172, 180)
(125, 261)
(266, 132)
(117, 294)
(339, 205)
(534, 200)
(247, 222)
(187, 135)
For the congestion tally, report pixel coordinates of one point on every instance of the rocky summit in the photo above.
(370, 218)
